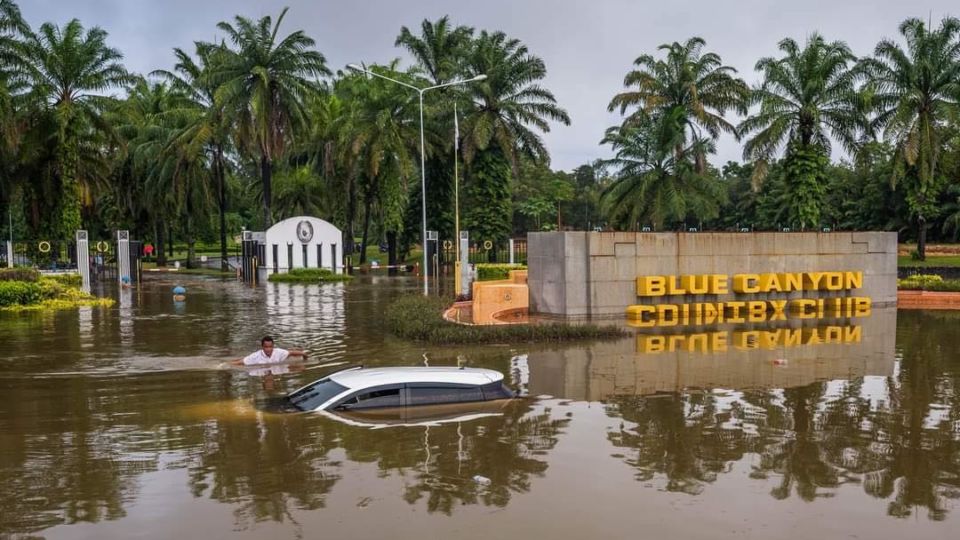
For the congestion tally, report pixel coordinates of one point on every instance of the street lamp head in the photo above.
(480, 77)
(354, 67)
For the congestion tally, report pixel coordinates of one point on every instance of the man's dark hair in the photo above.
(266, 339)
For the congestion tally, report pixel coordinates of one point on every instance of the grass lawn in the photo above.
(932, 260)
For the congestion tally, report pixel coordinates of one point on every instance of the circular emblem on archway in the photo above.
(305, 231)
(487, 245)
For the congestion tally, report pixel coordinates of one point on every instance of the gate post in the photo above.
(83, 260)
(123, 256)
(510, 243)
(464, 263)
(9, 254)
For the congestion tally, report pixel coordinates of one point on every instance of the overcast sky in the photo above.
(588, 46)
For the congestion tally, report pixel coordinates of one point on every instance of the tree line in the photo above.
(257, 127)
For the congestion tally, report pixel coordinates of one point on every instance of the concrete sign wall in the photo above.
(586, 274)
(303, 242)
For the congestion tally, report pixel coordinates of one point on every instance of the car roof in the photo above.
(367, 377)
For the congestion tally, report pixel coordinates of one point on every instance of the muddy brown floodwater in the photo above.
(118, 423)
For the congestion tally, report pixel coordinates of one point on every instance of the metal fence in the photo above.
(490, 252)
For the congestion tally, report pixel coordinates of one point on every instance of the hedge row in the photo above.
(928, 282)
(19, 274)
(308, 275)
(494, 272)
(420, 318)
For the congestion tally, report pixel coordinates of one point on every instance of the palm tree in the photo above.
(807, 96)
(507, 110)
(381, 134)
(68, 72)
(12, 31)
(689, 80)
(915, 90)
(266, 83)
(439, 49)
(656, 183)
(207, 129)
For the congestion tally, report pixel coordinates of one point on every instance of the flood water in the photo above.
(122, 423)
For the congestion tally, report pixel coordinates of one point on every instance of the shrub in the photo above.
(420, 318)
(67, 280)
(20, 293)
(493, 272)
(928, 282)
(19, 274)
(914, 255)
(308, 275)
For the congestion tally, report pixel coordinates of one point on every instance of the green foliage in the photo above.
(420, 318)
(928, 282)
(492, 272)
(805, 168)
(807, 97)
(19, 274)
(308, 275)
(915, 255)
(487, 208)
(22, 293)
(657, 182)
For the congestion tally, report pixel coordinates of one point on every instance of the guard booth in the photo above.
(251, 255)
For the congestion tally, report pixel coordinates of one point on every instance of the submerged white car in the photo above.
(358, 389)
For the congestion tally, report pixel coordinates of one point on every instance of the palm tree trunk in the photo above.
(266, 173)
(368, 207)
(161, 241)
(222, 204)
(351, 216)
(392, 252)
(922, 238)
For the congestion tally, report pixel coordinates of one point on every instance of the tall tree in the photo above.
(688, 80)
(206, 127)
(508, 108)
(655, 183)
(266, 83)
(807, 96)
(440, 51)
(68, 71)
(915, 90)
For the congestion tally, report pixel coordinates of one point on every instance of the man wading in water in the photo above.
(268, 354)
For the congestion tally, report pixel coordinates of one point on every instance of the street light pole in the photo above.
(423, 159)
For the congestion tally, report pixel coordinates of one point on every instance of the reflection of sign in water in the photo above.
(737, 311)
(305, 231)
(722, 341)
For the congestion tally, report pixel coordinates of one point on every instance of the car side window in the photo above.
(381, 397)
(435, 395)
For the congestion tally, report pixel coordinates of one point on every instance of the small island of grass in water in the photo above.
(420, 318)
(27, 290)
(309, 275)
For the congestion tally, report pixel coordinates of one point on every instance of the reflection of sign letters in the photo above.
(742, 311)
(722, 341)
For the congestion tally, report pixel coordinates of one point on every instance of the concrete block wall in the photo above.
(587, 274)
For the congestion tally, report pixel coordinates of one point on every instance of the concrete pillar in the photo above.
(83, 260)
(464, 263)
(9, 254)
(510, 243)
(123, 256)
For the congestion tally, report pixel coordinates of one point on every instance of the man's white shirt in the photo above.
(279, 355)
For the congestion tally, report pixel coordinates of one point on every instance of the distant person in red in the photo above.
(148, 250)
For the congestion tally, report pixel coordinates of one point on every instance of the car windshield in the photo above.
(314, 395)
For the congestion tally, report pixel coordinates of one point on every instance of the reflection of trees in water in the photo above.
(439, 462)
(267, 466)
(66, 459)
(678, 436)
(900, 440)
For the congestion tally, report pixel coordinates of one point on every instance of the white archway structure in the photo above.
(303, 242)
